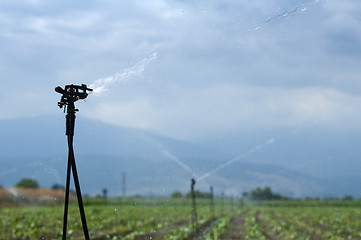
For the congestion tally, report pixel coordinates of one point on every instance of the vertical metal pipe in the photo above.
(65, 221)
(194, 207)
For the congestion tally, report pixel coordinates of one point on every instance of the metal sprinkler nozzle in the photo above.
(70, 94)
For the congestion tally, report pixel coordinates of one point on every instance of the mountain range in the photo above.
(315, 162)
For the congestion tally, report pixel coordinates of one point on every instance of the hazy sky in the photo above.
(186, 69)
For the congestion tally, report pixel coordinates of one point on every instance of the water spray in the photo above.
(71, 94)
(253, 150)
(285, 14)
(102, 85)
(170, 156)
(179, 162)
(302, 8)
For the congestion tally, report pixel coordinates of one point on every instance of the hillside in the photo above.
(156, 165)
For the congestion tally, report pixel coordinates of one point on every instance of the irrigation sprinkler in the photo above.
(194, 207)
(124, 184)
(71, 94)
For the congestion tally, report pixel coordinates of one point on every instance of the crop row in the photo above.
(104, 221)
(293, 223)
(171, 221)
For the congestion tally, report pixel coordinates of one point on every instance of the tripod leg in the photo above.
(66, 197)
(78, 192)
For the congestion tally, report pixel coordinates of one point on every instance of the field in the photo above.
(163, 218)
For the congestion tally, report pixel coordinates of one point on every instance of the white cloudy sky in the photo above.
(202, 67)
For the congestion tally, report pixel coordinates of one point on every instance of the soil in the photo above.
(200, 230)
(41, 192)
(4, 193)
(28, 196)
(236, 227)
(6, 198)
(267, 232)
(160, 233)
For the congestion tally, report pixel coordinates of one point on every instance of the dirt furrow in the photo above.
(236, 228)
(160, 233)
(267, 232)
(200, 230)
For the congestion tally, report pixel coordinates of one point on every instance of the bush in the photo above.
(261, 194)
(198, 194)
(347, 198)
(176, 194)
(27, 183)
(58, 187)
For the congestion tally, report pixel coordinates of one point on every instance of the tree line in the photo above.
(257, 194)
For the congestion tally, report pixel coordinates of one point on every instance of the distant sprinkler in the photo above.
(124, 184)
(194, 207)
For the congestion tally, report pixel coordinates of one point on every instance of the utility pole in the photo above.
(124, 184)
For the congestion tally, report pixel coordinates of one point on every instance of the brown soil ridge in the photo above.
(236, 228)
(41, 192)
(200, 230)
(15, 196)
(161, 233)
(267, 232)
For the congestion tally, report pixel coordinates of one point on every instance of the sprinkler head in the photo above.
(70, 94)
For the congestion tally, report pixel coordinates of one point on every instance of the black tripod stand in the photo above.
(70, 94)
